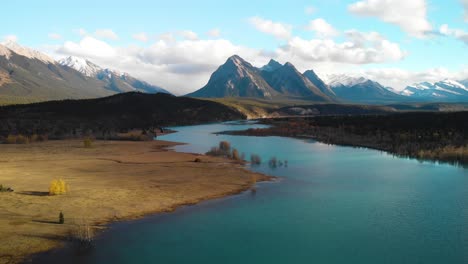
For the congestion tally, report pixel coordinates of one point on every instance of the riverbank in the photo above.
(112, 181)
(440, 137)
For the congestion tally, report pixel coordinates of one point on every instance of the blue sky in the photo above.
(177, 44)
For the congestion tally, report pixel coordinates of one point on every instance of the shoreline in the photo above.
(413, 142)
(135, 180)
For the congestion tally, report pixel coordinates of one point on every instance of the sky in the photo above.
(178, 44)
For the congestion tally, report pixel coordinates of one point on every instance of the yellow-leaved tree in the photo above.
(58, 187)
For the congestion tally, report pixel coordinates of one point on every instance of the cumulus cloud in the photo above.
(309, 10)
(456, 33)
(322, 28)
(142, 36)
(214, 33)
(360, 48)
(185, 64)
(181, 66)
(465, 7)
(106, 34)
(278, 30)
(82, 32)
(188, 35)
(168, 37)
(409, 15)
(400, 79)
(54, 36)
(88, 47)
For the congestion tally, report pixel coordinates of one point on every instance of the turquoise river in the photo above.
(332, 204)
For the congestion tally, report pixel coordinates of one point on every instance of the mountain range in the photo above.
(27, 75)
(273, 81)
(238, 78)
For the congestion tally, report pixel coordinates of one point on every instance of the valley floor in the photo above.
(109, 182)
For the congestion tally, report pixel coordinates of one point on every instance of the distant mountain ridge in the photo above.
(362, 90)
(27, 75)
(446, 90)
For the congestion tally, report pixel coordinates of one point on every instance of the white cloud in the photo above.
(54, 36)
(188, 35)
(214, 33)
(10, 38)
(279, 30)
(184, 65)
(168, 37)
(322, 28)
(309, 10)
(82, 32)
(409, 15)
(106, 34)
(456, 33)
(400, 79)
(88, 47)
(360, 48)
(181, 66)
(142, 36)
(465, 7)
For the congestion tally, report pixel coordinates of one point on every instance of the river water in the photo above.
(332, 204)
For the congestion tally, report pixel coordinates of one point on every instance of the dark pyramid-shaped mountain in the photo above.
(271, 66)
(289, 82)
(236, 78)
(319, 83)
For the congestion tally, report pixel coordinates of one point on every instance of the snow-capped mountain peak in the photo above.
(344, 80)
(10, 46)
(452, 83)
(446, 89)
(82, 65)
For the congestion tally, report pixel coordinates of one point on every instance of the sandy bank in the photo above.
(111, 181)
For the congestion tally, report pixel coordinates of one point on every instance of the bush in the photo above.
(224, 150)
(88, 142)
(82, 235)
(273, 163)
(58, 187)
(225, 146)
(235, 155)
(61, 218)
(255, 159)
(20, 139)
(5, 189)
(11, 139)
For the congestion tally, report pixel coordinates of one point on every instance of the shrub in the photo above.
(235, 155)
(5, 189)
(82, 235)
(225, 146)
(88, 142)
(61, 218)
(273, 163)
(11, 139)
(20, 139)
(255, 159)
(58, 187)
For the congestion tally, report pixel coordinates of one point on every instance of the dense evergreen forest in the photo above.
(423, 135)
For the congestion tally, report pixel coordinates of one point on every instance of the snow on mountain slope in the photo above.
(82, 65)
(344, 80)
(24, 51)
(443, 90)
